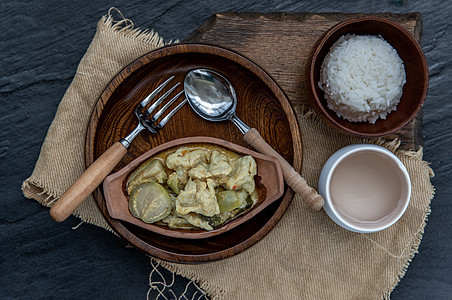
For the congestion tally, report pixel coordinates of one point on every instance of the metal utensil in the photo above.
(213, 98)
(97, 172)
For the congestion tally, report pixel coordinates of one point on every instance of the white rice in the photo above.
(362, 77)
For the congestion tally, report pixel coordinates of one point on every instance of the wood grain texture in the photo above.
(261, 104)
(281, 43)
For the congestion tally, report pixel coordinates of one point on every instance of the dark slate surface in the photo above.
(41, 43)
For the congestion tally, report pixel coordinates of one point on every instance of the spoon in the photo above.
(213, 98)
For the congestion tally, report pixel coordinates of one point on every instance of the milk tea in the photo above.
(366, 187)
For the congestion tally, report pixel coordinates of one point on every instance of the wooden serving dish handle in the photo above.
(293, 178)
(87, 183)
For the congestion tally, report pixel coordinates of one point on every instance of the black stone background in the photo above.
(41, 44)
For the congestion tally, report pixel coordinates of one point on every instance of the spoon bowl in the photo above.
(212, 97)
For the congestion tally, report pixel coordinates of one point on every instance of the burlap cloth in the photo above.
(306, 256)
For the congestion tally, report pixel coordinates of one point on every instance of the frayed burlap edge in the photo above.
(34, 189)
(126, 28)
(393, 146)
(417, 238)
(212, 291)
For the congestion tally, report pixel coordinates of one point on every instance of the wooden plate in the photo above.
(261, 104)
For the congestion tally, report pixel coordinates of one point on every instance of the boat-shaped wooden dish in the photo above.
(269, 186)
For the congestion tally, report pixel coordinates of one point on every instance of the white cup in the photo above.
(366, 188)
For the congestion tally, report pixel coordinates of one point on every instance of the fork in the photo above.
(96, 173)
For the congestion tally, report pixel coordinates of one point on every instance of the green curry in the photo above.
(193, 187)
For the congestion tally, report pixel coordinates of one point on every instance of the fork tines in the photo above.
(143, 113)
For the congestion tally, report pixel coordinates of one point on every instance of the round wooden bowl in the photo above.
(414, 90)
(261, 104)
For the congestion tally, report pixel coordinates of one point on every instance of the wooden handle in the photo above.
(293, 178)
(87, 183)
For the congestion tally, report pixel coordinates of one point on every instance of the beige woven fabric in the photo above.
(61, 161)
(306, 256)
